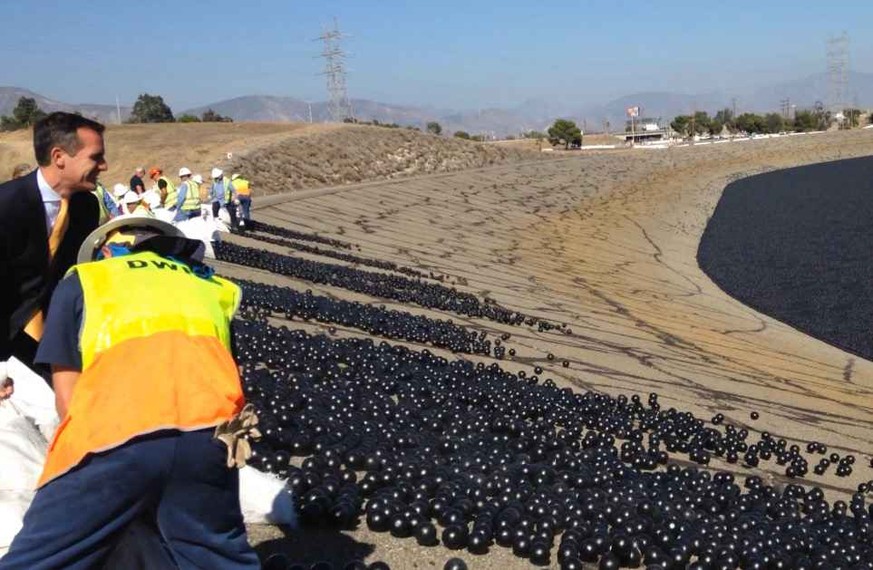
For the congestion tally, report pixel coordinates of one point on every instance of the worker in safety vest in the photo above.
(187, 204)
(244, 194)
(108, 206)
(223, 194)
(133, 204)
(151, 405)
(165, 187)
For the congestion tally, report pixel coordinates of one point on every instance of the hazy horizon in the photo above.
(455, 55)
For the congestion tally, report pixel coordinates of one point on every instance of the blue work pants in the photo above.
(180, 478)
(245, 203)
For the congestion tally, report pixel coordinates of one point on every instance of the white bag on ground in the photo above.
(265, 499)
(27, 421)
(200, 229)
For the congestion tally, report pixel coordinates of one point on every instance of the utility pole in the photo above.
(335, 71)
(734, 106)
(118, 109)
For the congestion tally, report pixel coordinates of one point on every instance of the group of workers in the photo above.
(182, 200)
(148, 395)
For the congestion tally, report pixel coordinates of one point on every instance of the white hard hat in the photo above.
(131, 197)
(234, 176)
(120, 190)
(184, 171)
(198, 179)
(217, 172)
(97, 238)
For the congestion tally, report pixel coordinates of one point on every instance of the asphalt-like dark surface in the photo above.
(797, 245)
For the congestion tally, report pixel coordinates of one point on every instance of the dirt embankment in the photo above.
(356, 153)
(279, 157)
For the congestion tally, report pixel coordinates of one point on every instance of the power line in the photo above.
(838, 73)
(335, 72)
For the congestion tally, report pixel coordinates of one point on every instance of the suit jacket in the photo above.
(27, 280)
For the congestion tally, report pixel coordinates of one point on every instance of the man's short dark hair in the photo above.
(162, 183)
(59, 130)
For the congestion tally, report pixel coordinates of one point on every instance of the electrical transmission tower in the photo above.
(785, 107)
(838, 73)
(335, 71)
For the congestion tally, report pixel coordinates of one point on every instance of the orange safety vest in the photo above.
(242, 186)
(147, 367)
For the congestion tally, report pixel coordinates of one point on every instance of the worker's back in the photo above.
(147, 366)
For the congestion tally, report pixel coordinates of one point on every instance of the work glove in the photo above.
(236, 433)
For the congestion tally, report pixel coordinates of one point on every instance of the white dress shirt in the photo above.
(51, 200)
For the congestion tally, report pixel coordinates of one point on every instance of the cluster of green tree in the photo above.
(565, 132)
(24, 115)
(815, 119)
(468, 137)
(208, 116)
(378, 123)
(152, 109)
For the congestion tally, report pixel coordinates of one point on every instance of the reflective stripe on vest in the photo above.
(242, 187)
(147, 367)
(227, 196)
(172, 193)
(192, 197)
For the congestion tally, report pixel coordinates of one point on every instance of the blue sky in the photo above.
(453, 54)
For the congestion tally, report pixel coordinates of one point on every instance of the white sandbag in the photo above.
(22, 452)
(200, 229)
(164, 215)
(224, 217)
(33, 398)
(265, 499)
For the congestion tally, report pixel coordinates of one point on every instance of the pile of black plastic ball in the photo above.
(261, 301)
(398, 288)
(342, 256)
(476, 458)
(256, 226)
(473, 457)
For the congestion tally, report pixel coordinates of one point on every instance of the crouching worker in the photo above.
(142, 389)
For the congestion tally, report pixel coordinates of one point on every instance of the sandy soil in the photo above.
(607, 244)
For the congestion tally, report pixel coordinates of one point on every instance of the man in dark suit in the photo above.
(44, 217)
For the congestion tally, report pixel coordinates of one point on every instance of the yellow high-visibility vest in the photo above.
(147, 367)
(192, 197)
(242, 186)
(100, 192)
(172, 193)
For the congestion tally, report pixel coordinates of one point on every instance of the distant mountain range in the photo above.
(105, 113)
(534, 114)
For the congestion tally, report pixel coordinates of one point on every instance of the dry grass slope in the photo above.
(278, 157)
(357, 153)
(199, 146)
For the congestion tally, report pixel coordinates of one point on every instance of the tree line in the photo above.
(147, 109)
(816, 119)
